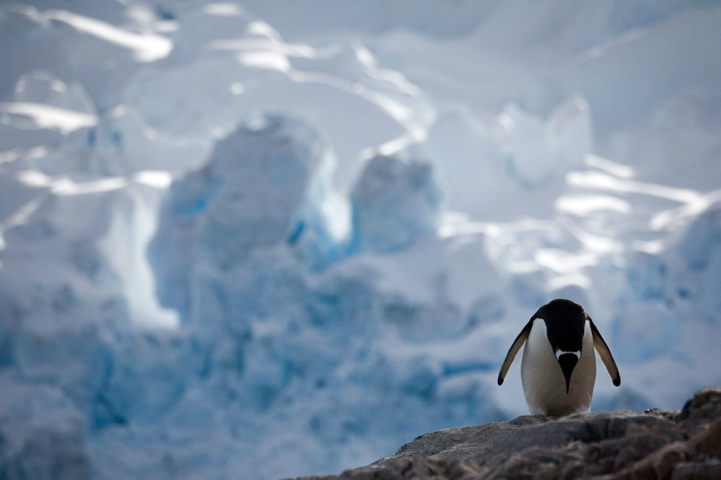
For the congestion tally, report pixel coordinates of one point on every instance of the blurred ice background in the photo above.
(271, 238)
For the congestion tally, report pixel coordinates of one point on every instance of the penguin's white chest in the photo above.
(543, 383)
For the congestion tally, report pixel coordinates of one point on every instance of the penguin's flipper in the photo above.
(513, 351)
(605, 353)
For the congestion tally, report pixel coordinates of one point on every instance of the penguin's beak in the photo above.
(568, 362)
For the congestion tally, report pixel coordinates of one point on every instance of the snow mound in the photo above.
(395, 201)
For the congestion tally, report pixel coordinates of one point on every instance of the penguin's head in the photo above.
(565, 326)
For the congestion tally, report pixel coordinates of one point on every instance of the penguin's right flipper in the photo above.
(605, 353)
(513, 351)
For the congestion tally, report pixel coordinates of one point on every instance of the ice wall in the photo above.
(260, 240)
(395, 201)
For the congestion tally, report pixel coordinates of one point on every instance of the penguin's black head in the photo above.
(565, 325)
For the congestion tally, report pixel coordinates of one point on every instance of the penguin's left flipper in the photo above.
(605, 353)
(513, 351)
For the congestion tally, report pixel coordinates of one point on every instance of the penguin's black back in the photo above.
(565, 324)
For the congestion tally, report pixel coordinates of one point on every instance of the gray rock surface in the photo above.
(656, 444)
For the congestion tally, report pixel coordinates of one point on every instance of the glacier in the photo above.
(259, 240)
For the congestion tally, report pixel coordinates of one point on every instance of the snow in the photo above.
(395, 201)
(256, 240)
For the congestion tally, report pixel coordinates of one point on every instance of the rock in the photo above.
(656, 444)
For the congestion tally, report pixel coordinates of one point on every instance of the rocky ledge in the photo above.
(656, 444)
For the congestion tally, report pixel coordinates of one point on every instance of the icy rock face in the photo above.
(469, 161)
(66, 107)
(59, 328)
(485, 171)
(702, 238)
(694, 244)
(670, 301)
(678, 130)
(264, 185)
(699, 248)
(538, 151)
(243, 279)
(395, 201)
(42, 435)
(43, 114)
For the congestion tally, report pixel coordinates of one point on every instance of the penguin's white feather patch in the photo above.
(560, 352)
(543, 383)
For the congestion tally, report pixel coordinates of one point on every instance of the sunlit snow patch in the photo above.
(47, 116)
(147, 46)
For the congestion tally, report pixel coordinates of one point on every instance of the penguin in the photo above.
(558, 368)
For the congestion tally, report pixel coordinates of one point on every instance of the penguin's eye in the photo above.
(560, 352)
